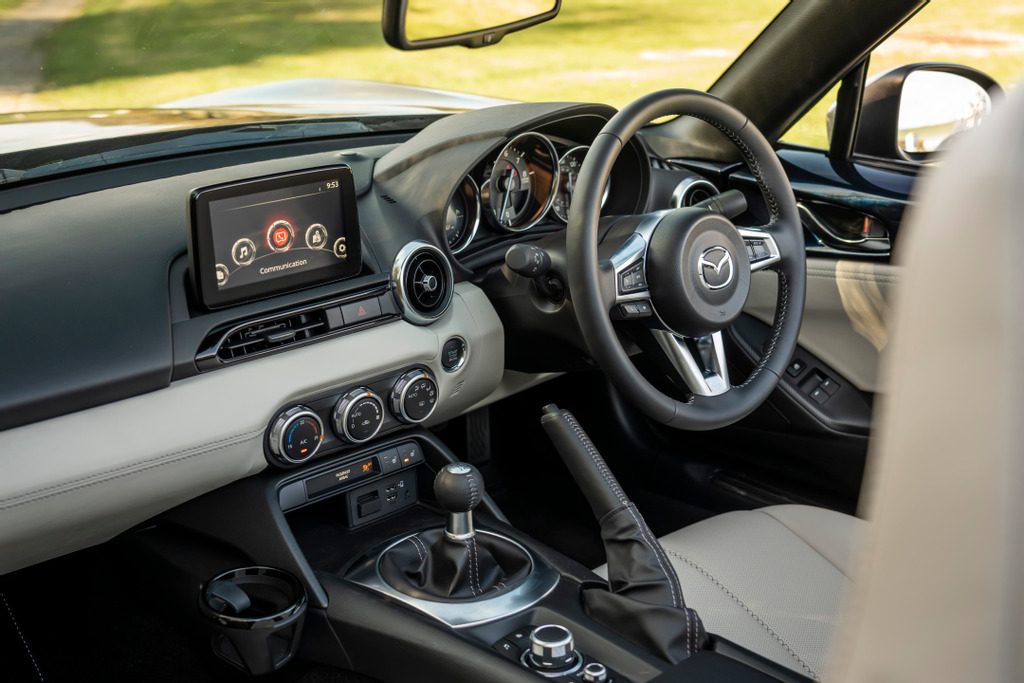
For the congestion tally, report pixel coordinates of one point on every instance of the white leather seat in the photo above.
(771, 580)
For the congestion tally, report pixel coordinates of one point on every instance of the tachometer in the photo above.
(462, 216)
(523, 181)
(568, 173)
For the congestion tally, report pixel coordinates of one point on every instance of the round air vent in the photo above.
(692, 191)
(423, 281)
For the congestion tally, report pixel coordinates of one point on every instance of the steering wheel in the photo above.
(685, 272)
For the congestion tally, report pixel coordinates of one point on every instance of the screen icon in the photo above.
(243, 252)
(316, 236)
(280, 235)
(340, 248)
(222, 273)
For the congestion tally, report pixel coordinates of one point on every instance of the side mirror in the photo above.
(910, 112)
(423, 24)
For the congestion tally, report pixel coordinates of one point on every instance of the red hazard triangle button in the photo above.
(361, 311)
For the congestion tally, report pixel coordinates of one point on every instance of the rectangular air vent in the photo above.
(311, 323)
(273, 334)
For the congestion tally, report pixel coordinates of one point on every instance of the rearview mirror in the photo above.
(421, 24)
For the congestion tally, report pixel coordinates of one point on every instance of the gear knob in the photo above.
(459, 488)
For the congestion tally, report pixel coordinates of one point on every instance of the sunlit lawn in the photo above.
(132, 53)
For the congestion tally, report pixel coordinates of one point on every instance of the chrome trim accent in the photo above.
(281, 425)
(345, 405)
(465, 356)
(554, 182)
(774, 256)
(463, 614)
(713, 379)
(819, 229)
(398, 273)
(405, 381)
(476, 217)
(725, 261)
(460, 526)
(686, 187)
(559, 673)
(631, 251)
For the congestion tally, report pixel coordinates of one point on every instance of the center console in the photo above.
(411, 572)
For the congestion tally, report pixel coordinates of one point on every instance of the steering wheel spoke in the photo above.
(700, 361)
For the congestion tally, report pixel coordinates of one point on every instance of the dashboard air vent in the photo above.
(692, 191)
(424, 282)
(273, 334)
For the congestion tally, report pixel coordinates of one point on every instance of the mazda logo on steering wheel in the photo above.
(716, 267)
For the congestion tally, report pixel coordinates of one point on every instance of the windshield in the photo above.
(116, 54)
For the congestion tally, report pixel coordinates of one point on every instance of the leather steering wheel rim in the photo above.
(584, 268)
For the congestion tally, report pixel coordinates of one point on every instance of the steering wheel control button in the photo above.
(632, 279)
(222, 274)
(316, 236)
(280, 236)
(552, 649)
(453, 354)
(633, 310)
(361, 311)
(243, 252)
(358, 415)
(595, 672)
(296, 435)
(414, 396)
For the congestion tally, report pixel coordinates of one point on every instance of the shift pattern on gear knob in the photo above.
(458, 487)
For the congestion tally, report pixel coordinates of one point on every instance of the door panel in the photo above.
(846, 317)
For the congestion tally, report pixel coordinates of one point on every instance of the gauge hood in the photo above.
(267, 102)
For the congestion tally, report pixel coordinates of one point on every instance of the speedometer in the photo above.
(523, 181)
(568, 173)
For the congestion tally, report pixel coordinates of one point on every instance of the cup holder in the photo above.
(255, 615)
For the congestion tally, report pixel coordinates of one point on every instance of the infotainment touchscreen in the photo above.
(261, 237)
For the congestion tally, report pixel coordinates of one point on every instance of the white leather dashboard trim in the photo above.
(79, 479)
(846, 314)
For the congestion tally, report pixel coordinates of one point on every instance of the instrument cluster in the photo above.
(530, 181)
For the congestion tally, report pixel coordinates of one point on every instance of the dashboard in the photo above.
(201, 299)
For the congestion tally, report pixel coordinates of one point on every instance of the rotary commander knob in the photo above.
(414, 396)
(552, 649)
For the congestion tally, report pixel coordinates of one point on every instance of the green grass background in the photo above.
(136, 53)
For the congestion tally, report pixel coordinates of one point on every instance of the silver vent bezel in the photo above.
(684, 191)
(398, 273)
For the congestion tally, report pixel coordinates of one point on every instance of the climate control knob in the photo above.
(296, 434)
(414, 396)
(358, 415)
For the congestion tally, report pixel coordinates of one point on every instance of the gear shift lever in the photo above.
(455, 563)
(458, 489)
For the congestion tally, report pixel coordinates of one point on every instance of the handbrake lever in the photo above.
(644, 602)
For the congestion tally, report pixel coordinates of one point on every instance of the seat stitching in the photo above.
(24, 641)
(749, 611)
(806, 542)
